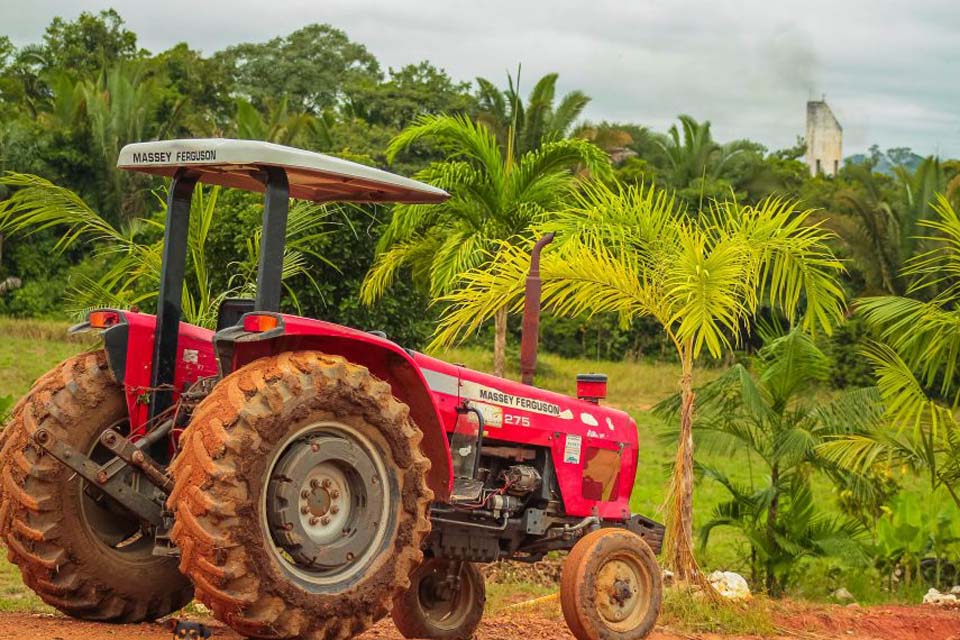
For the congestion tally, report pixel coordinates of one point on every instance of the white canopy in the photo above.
(312, 176)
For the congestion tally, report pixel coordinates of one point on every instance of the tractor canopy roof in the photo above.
(312, 176)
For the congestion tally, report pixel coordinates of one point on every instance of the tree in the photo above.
(89, 43)
(120, 107)
(281, 126)
(530, 125)
(873, 229)
(881, 219)
(131, 255)
(411, 91)
(692, 152)
(195, 88)
(313, 68)
(916, 363)
(497, 197)
(769, 415)
(631, 251)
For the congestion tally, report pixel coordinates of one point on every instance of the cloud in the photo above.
(887, 67)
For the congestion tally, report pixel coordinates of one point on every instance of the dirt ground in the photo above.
(803, 622)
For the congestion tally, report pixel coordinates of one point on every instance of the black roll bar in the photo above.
(175, 239)
(170, 301)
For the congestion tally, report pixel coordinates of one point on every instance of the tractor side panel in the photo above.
(594, 448)
(129, 348)
(384, 359)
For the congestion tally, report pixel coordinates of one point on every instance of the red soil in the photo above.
(807, 622)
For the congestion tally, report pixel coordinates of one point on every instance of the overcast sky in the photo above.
(890, 69)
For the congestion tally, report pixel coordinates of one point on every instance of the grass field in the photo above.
(30, 348)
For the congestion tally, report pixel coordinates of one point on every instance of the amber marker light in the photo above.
(257, 323)
(103, 319)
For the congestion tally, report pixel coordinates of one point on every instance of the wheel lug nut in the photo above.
(315, 447)
(325, 520)
(314, 484)
(335, 494)
(334, 509)
(326, 483)
(304, 494)
(313, 521)
(304, 510)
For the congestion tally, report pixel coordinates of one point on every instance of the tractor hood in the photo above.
(312, 176)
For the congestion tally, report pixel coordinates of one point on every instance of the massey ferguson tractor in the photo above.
(305, 479)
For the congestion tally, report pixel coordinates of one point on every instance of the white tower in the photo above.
(824, 139)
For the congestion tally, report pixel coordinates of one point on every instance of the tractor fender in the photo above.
(128, 340)
(387, 360)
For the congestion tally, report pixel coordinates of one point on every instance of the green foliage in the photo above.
(770, 416)
(494, 198)
(409, 92)
(631, 251)
(915, 362)
(690, 611)
(6, 404)
(694, 154)
(525, 127)
(88, 43)
(314, 68)
(133, 253)
(916, 541)
(845, 350)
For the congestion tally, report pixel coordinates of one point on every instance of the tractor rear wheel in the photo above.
(300, 498)
(434, 608)
(79, 551)
(611, 587)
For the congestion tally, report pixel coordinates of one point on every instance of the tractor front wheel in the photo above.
(611, 587)
(300, 498)
(77, 549)
(445, 600)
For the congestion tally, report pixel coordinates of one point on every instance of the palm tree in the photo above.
(916, 364)
(873, 230)
(282, 126)
(692, 152)
(883, 224)
(131, 276)
(632, 251)
(768, 414)
(535, 123)
(121, 106)
(496, 197)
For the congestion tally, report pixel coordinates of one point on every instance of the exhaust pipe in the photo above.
(530, 335)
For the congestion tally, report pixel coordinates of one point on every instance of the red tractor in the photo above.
(303, 477)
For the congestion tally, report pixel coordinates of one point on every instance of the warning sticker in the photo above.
(571, 450)
(492, 416)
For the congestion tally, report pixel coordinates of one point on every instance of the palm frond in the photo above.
(37, 204)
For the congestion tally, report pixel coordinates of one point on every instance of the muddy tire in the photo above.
(611, 587)
(73, 547)
(266, 458)
(428, 610)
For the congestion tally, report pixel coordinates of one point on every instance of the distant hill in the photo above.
(885, 161)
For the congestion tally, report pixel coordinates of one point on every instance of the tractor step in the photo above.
(466, 490)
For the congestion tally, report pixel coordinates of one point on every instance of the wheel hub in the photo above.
(325, 502)
(444, 596)
(618, 591)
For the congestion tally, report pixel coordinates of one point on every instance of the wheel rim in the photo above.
(326, 503)
(622, 593)
(110, 523)
(445, 608)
